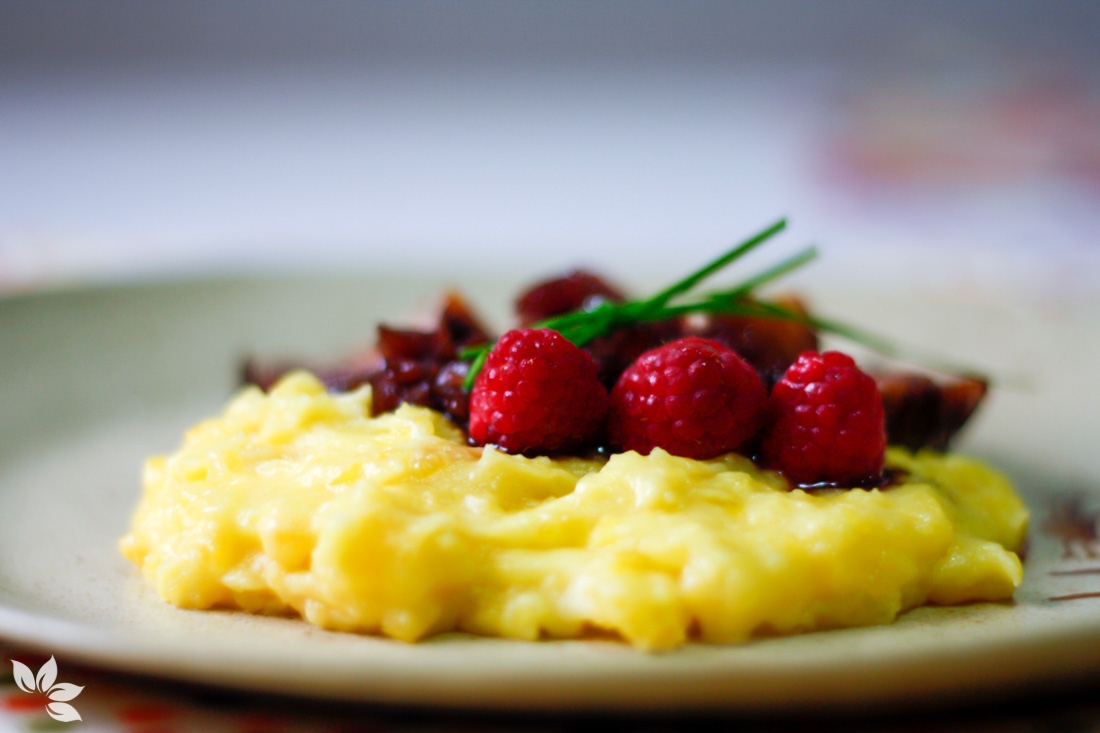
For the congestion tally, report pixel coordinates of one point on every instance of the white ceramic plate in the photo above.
(93, 381)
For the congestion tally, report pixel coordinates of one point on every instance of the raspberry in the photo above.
(536, 393)
(826, 422)
(692, 397)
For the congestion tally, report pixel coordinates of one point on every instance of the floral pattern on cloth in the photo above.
(113, 702)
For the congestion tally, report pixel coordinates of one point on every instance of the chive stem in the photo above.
(581, 327)
(711, 267)
(776, 271)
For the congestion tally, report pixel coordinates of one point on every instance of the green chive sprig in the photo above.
(583, 326)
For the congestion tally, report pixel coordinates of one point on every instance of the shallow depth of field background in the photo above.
(948, 146)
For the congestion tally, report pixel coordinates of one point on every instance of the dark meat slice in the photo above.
(458, 327)
(448, 392)
(770, 345)
(423, 367)
(574, 291)
(394, 343)
(419, 367)
(264, 376)
(455, 328)
(923, 414)
(336, 378)
(402, 380)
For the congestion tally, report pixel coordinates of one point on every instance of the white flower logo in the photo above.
(59, 694)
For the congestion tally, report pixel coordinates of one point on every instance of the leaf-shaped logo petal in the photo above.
(47, 675)
(63, 692)
(63, 712)
(24, 678)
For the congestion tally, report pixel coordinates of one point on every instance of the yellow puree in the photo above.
(299, 502)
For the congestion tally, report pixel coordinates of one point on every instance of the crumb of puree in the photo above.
(299, 502)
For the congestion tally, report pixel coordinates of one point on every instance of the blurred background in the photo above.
(949, 146)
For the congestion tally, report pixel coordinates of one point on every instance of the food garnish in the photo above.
(601, 316)
(537, 392)
(826, 423)
(692, 397)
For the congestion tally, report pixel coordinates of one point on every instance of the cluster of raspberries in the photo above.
(823, 421)
(695, 388)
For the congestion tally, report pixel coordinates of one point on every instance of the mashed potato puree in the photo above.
(298, 501)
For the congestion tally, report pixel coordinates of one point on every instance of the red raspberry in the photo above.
(692, 397)
(536, 393)
(826, 422)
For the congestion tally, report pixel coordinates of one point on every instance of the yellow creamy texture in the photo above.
(298, 501)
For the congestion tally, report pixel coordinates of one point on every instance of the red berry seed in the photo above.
(826, 422)
(693, 398)
(536, 393)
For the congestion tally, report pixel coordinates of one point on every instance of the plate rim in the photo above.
(137, 653)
